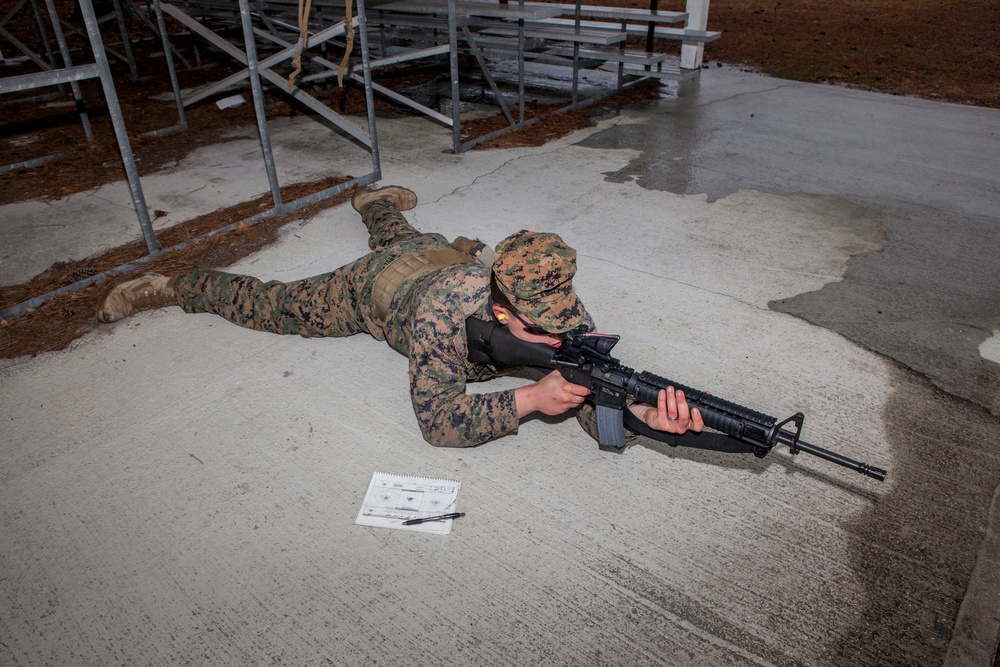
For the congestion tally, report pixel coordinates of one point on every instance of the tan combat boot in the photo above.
(148, 291)
(482, 252)
(403, 198)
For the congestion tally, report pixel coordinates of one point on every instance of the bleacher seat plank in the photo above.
(561, 33)
(616, 13)
(681, 34)
(483, 9)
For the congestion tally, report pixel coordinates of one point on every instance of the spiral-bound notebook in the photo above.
(392, 499)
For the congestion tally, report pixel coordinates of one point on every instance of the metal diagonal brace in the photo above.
(391, 94)
(273, 78)
(486, 73)
(272, 60)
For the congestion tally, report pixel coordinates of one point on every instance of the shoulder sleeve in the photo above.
(448, 416)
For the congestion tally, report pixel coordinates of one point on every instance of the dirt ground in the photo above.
(942, 51)
(946, 51)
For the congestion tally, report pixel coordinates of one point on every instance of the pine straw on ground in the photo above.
(947, 51)
(58, 322)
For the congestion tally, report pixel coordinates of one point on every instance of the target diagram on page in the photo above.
(392, 499)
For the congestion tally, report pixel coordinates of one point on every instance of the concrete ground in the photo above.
(177, 490)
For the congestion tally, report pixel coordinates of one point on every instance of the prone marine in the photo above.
(415, 291)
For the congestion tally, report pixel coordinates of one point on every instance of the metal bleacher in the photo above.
(452, 34)
(574, 36)
(236, 30)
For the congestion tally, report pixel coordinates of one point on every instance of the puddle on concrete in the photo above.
(990, 348)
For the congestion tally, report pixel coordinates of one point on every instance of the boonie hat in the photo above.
(535, 270)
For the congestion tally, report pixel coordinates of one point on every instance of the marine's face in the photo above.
(525, 329)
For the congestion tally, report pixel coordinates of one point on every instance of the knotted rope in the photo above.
(305, 6)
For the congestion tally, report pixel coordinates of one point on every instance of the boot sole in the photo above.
(103, 298)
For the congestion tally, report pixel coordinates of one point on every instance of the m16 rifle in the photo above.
(585, 359)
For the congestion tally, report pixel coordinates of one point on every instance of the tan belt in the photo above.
(409, 266)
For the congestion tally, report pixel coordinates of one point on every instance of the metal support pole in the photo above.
(369, 94)
(576, 56)
(126, 44)
(68, 62)
(693, 52)
(13, 12)
(258, 102)
(153, 29)
(115, 111)
(265, 19)
(651, 29)
(171, 69)
(44, 36)
(621, 51)
(456, 102)
(486, 74)
(520, 67)
(27, 51)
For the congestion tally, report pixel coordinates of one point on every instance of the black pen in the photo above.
(443, 517)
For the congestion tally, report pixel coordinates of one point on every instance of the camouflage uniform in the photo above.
(425, 322)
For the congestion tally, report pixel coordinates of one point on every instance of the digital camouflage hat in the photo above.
(535, 272)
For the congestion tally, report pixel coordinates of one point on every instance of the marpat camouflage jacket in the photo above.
(426, 322)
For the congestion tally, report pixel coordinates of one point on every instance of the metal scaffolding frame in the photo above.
(47, 59)
(101, 70)
(254, 72)
(442, 31)
(257, 69)
(431, 29)
(594, 37)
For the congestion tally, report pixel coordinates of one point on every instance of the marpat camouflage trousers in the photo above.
(338, 303)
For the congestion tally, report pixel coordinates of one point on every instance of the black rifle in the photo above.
(585, 359)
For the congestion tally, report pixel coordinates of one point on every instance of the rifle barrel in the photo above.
(833, 457)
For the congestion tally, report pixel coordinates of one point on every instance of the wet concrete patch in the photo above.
(930, 299)
(946, 455)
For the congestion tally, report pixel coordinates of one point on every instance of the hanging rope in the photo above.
(349, 38)
(304, 7)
